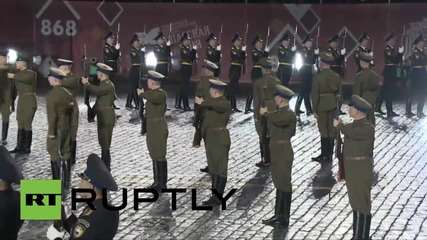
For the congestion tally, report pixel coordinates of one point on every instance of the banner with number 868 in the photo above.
(58, 29)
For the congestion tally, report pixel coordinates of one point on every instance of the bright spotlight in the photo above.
(151, 60)
(298, 61)
(12, 55)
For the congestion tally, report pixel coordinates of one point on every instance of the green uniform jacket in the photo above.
(264, 92)
(71, 83)
(59, 107)
(359, 139)
(25, 82)
(105, 96)
(281, 128)
(203, 86)
(5, 92)
(366, 85)
(326, 87)
(157, 129)
(217, 112)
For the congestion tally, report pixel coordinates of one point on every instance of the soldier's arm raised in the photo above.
(26, 77)
(52, 118)
(218, 106)
(280, 118)
(71, 81)
(155, 97)
(360, 133)
(102, 89)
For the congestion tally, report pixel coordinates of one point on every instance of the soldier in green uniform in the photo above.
(392, 60)
(363, 48)
(157, 129)
(418, 76)
(282, 127)
(25, 82)
(188, 56)
(214, 130)
(105, 95)
(134, 73)
(111, 56)
(5, 96)
(10, 173)
(264, 90)
(359, 139)
(366, 83)
(59, 108)
(257, 54)
(309, 57)
(101, 223)
(71, 83)
(238, 58)
(162, 51)
(213, 52)
(326, 89)
(286, 58)
(202, 91)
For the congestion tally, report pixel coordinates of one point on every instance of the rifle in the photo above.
(169, 47)
(343, 66)
(265, 153)
(119, 65)
(219, 41)
(400, 69)
(317, 47)
(244, 44)
(143, 76)
(90, 111)
(58, 224)
(268, 36)
(195, 68)
(338, 147)
(197, 124)
(295, 35)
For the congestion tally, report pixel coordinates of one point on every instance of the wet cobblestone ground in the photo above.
(399, 205)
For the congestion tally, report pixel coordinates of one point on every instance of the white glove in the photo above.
(118, 46)
(143, 49)
(371, 53)
(197, 55)
(52, 233)
(67, 209)
(343, 51)
(218, 48)
(267, 49)
(168, 43)
(401, 49)
(244, 48)
(294, 48)
(316, 51)
(372, 62)
(195, 47)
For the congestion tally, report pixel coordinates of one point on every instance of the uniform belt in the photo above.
(285, 63)
(282, 141)
(27, 93)
(156, 119)
(236, 64)
(106, 107)
(257, 66)
(336, 66)
(218, 128)
(358, 158)
(390, 64)
(162, 62)
(327, 94)
(136, 64)
(417, 66)
(186, 63)
(110, 60)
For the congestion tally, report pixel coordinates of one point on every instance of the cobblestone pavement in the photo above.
(399, 207)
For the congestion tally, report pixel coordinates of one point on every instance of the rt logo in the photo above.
(40, 199)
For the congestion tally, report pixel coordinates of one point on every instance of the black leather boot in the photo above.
(163, 174)
(205, 170)
(4, 131)
(178, 100)
(73, 152)
(354, 223)
(287, 199)
(28, 139)
(367, 226)
(55, 168)
(186, 104)
(106, 158)
(20, 141)
(408, 111)
(155, 184)
(278, 208)
(248, 105)
(66, 173)
(298, 105)
(219, 185)
(360, 224)
(323, 147)
(128, 102)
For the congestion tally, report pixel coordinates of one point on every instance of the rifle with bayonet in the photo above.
(343, 64)
(338, 146)
(244, 44)
(317, 47)
(195, 68)
(90, 110)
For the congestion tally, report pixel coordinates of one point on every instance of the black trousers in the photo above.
(186, 71)
(255, 74)
(284, 73)
(134, 75)
(234, 76)
(306, 83)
